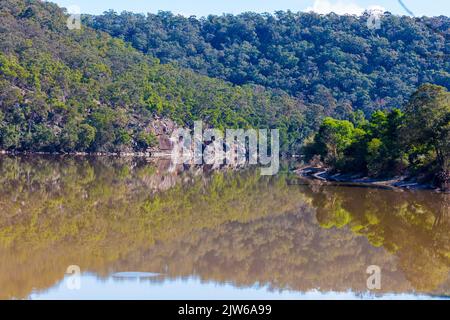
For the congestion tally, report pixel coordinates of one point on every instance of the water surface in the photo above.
(149, 230)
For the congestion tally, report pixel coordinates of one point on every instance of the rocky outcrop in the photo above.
(163, 128)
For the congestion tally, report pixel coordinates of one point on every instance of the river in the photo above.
(115, 228)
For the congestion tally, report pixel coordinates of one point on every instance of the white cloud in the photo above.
(340, 7)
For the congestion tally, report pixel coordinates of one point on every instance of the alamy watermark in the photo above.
(234, 147)
(73, 280)
(374, 280)
(74, 19)
(374, 19)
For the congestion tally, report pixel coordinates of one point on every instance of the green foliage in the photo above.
(427, 131)
(146, 140)
(66, 90)
(69, 138)
(428, 121)
(287, 71)
(11, 69)
(329, 60)
(9, 136)
(391, 143)
(333, 138)
(374, 157)
(43, 138)
(63, 87)
(86, 136)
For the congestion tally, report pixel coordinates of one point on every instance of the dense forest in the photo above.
(415, 141)
(82, 90)
(330, 60)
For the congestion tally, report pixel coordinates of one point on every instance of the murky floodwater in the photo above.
(140, 230)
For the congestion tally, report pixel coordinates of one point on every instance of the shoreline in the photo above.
(320, 174)
(399, 183)
(155, 154)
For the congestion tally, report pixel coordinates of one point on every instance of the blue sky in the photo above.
(205, 7)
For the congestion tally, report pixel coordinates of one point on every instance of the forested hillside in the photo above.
(86, 90)
(82, 90)
(334, 61)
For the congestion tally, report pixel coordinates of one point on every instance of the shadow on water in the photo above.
(113, 216)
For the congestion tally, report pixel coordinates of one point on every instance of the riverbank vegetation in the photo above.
(415, 141)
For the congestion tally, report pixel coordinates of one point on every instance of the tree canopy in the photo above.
(331, 60)
(83, 90)
(416, 140)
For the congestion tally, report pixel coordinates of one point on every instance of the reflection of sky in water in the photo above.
(141, 288)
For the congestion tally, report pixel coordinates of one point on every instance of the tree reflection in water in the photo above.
(117, 215)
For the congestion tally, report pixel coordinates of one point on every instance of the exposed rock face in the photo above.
(163, 128)
(165, 144)
(216, 154)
